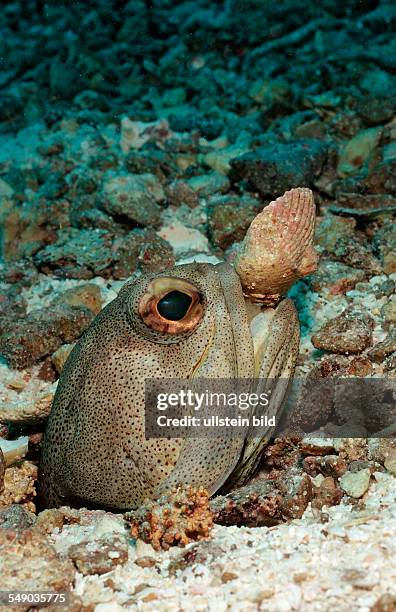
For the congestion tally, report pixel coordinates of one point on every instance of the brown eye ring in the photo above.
(184, 313)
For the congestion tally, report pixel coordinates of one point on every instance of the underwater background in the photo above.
(136, 135)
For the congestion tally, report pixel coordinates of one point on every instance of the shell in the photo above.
(277, 249)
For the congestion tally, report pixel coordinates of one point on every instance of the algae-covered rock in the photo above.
(181, 192)
(88, 295)
(229, 218)
(141, 248)
(99, 556)
(335, 276)
(28, 562)
(385, 242)
(275, 168)
(41, 332)
(28, 226)
(350, 332)
(77, 254)
(384, 348)
(134, 197)
(357, 150)
(355, 484)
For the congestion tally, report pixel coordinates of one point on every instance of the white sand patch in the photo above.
(344, 563)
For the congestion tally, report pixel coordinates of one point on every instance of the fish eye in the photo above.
(174, 305)
(171, 305)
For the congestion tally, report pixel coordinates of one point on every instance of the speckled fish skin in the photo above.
(94, 448)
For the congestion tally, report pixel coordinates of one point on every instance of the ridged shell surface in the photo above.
(277, 249)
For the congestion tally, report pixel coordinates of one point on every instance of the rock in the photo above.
(390, 262)
(335, 276)
(390, 463)
(360, 366)
(357, 255)
(280, 456)
(12, 305)
(56, 518)
(133, 197)
(28, 562)
(29, 226)
(13, 450)
(357, 150)
(19, 487)
(355, 484)
(389, 364)
(180, 192)
(338, 239)
(99, 556)
(385, 603)
(388, 313)
(264, 502)
(270, 92)
(46, 371)
(134, 134)
(152, 161)
(88, 295)
(141, 248)
(311, 129)
(42, 332)
(2, 471)
(84, 217)
(316, 446)
(275, 168)
(328, 493)
(205, 185)
(16, 517)
(77, 254)
(329, 465)
(346, 124)
(207, 127)
(21, 272)
(329, 230)
(28, 410)
(184, 240)
(384, 348)
(375, 110)
(309, 406)
(384, 288)
(366, 205)
(384, 241)
(380, 177)
(381, 449)
(145, 561)
(229, 218)
(173, 519)
(228, 576)
(220, 159)
(352, 449)
(60, 356)
(350, 332)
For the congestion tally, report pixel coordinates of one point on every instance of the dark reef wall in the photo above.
(114, 57)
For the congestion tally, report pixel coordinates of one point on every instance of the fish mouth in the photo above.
(259, 330)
